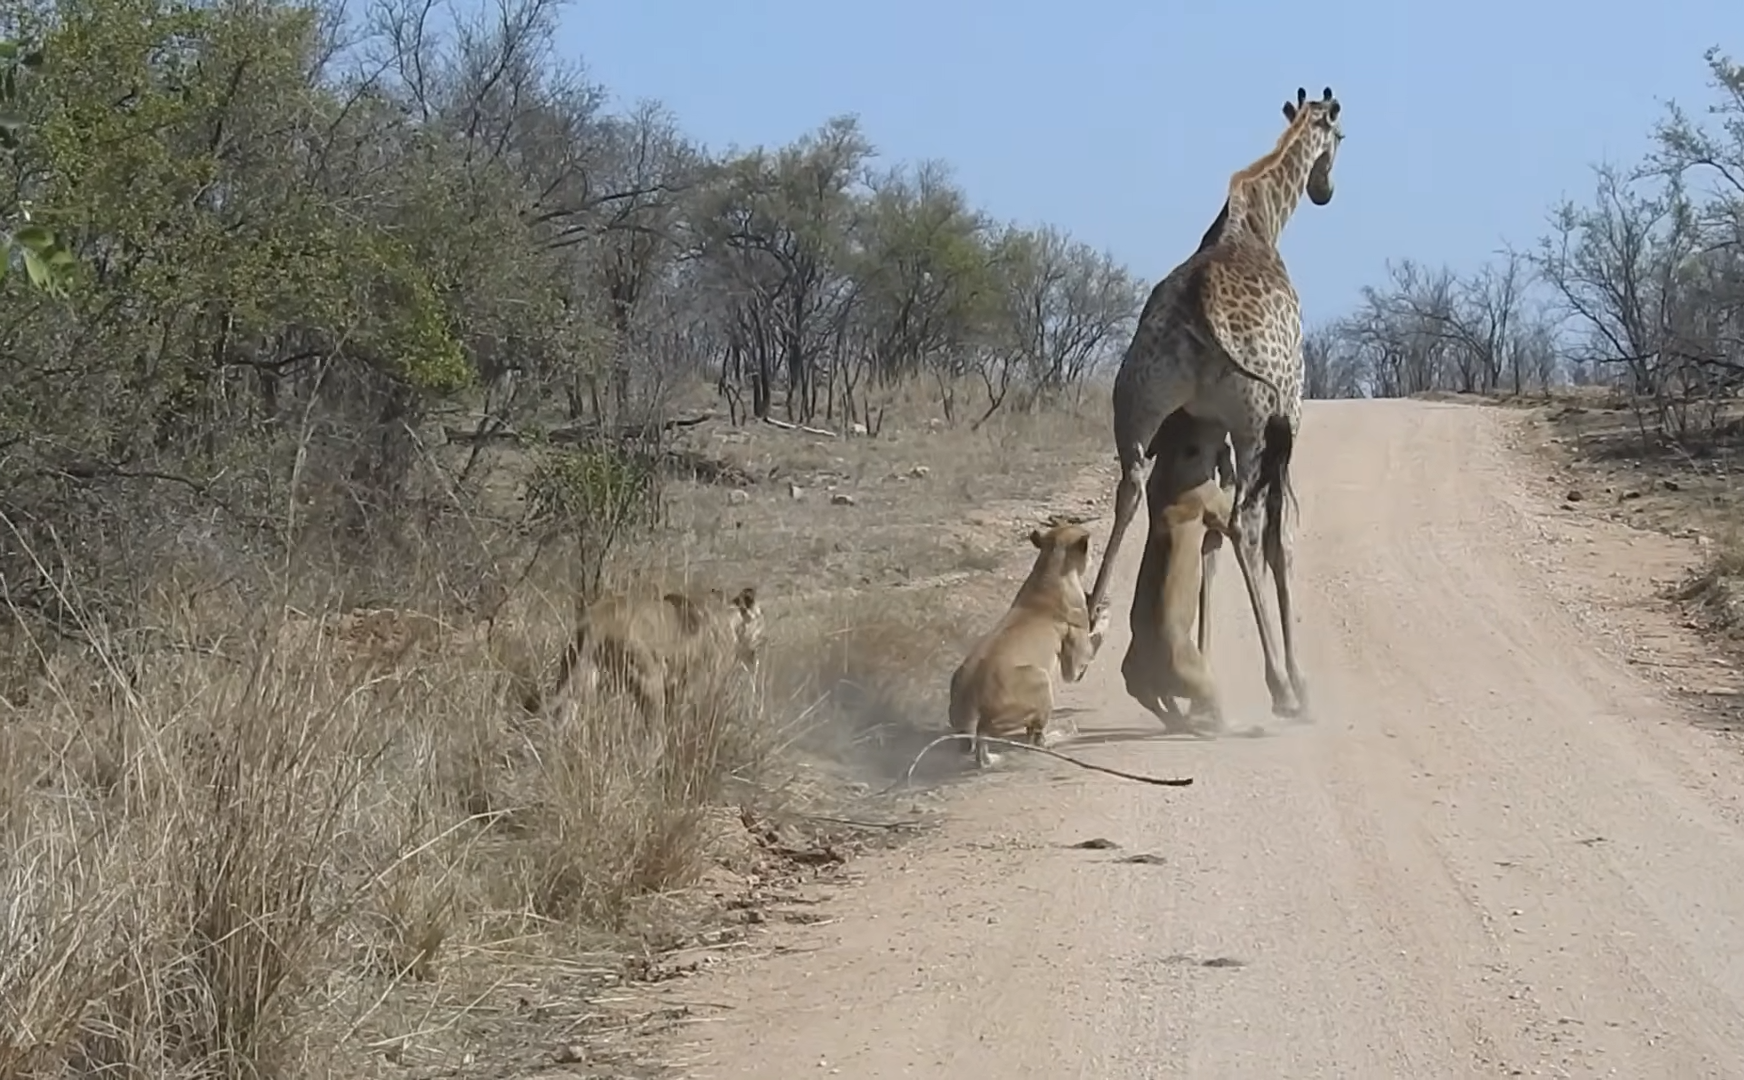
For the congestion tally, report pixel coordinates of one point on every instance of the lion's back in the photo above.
(680, 631)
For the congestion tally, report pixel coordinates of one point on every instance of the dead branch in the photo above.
(785, 426)
(573, 434)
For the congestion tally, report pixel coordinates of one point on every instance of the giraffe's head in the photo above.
(1318, 121)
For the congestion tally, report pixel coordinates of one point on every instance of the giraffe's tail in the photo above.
(1274, 470)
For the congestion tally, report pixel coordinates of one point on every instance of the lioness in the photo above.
(1190, 512)
(1006, 683)
(652, 646)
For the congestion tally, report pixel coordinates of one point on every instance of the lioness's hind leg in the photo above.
(642, 676)
(983, 754)
(1196, 682)
(535, 702)
(1036, 731)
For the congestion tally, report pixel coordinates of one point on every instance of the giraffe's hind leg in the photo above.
(1280, 558)
(1252, 522)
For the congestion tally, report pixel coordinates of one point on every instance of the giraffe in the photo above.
(1221, 337)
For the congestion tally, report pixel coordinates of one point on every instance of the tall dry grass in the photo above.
(207, 864)
(292, 848)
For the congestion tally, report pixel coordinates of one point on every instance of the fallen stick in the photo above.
(908, 777)
(785, 426)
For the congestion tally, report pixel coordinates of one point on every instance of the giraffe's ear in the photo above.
(1301, 96)
(1289, 111)
(1326, 94)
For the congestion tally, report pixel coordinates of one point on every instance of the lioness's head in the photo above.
(1065, 547)
(747, 618)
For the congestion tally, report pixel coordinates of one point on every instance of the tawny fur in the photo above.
(651, 647)
(1190, 511)
(1005, 686)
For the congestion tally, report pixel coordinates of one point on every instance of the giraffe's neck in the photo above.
(1264, 195)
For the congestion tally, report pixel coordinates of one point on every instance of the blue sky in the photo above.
(1121, 120)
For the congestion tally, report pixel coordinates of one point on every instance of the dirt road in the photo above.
(1498, 851)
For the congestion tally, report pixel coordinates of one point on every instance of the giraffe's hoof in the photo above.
(1174, 724)
(1286, 706)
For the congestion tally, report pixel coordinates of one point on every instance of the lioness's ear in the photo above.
(1082, 547)
(1035, 537)
(747, 598)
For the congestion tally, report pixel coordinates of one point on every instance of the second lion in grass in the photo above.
(654, 647)
(1005, 686)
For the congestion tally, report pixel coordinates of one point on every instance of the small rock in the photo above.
(856, 428)
(841, 498)
(1574, 495)
(570, 1055)
(794, 491)
(738, 497)
(1670, 485)
(1630, 494)
(920, 472)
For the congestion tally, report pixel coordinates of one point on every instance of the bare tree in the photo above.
(1068, 309)
(1332, 369)
(775, 226)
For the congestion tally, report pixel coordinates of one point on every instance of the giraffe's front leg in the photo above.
(1127, 494)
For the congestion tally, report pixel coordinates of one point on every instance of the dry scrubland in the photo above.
(289, 850)
(1619, 462)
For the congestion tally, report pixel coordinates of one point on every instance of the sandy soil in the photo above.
(1501, 848)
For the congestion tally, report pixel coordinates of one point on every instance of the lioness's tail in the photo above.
(1274, 470)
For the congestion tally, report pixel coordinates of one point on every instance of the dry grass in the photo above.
(316, 850)
(1618, 464)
